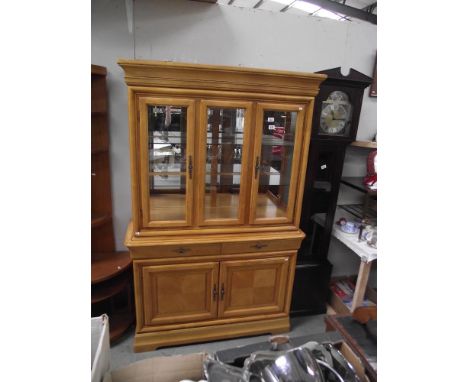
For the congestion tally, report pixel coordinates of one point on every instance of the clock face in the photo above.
(336, 113)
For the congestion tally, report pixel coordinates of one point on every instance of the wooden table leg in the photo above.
(361, 284)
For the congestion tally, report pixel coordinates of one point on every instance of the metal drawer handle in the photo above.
(181, 250)
(222, 292)
(259, 245)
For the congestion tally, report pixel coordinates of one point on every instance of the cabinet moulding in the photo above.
(215, 77)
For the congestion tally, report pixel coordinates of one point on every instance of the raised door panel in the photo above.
(275, 165)
(179, 293)
(224, 142)
(251, 287)
(166, 140)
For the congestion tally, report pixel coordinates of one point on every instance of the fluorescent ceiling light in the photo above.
(328, 14)
(310, 8)
(285, 2)
(306, 7)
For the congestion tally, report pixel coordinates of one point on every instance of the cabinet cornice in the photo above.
(215, 77)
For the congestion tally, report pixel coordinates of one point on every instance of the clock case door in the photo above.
(353, 85)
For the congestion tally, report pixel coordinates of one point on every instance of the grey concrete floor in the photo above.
(122, 352)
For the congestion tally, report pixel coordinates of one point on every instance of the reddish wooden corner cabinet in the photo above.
(111, 286)
(218, 158)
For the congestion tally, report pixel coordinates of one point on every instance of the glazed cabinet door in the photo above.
(249, 287)
(166, 133)
(224, 141)
(179, 293)
(276, 160)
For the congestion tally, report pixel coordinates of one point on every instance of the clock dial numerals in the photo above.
(336, 114)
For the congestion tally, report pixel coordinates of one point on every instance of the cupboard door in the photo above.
(179, 293)
(278, 135)
(167, 163)
(249, 287)
(224, 141)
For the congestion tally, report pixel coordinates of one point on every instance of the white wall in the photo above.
(187, 31)
(111, 40)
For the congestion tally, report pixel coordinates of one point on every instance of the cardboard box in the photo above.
(179, 367)
(358, 342)
(161, 369)
(100, 347)
(339, 297)
(236, 356)
(353, 359)
(190, 366)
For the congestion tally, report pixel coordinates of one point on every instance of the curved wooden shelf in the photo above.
(104, 290)
(364, 144)
(119, 322)
(99, 220)
(107, 265)
(97, 69)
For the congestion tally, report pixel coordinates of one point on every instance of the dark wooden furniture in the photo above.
(324, 170)
(352, 86)
(111, 278)
(373, 87)
(359, 333)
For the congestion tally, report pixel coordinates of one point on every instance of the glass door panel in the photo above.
(167, 168)
(223, 161)
(278, 140)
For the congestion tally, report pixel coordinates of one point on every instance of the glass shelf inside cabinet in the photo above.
(167, 151)
(275, 163)
(221, 138)
(276, 141)
(223, 165)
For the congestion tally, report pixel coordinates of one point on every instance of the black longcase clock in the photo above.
(335, 123)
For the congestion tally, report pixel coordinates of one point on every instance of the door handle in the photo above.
(222, 292)
(190, 167)
(215, 292)
(257, 166)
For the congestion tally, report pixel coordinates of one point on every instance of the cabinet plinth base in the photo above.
(151, 341)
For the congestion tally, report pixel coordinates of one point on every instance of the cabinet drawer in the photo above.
(176, 250)
(261, 246)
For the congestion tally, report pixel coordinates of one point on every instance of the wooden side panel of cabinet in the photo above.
(249, 287)
(179, 293)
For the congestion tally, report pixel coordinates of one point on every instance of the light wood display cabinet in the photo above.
(218, 159)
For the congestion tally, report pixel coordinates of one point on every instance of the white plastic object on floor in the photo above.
(100, 347)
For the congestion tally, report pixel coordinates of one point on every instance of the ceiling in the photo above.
(342, 10)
